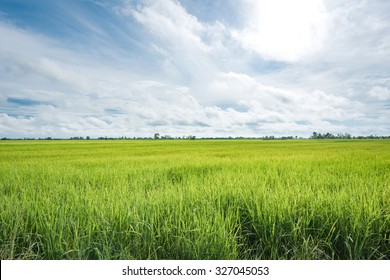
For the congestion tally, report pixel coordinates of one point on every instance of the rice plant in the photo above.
(233, 199)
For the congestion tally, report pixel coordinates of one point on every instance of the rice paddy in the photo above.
(216, 199)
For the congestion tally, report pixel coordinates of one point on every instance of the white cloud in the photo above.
(381, 93)
(284, 30)
(168, 20)
(359, 32)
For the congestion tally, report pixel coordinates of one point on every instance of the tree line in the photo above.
(157, 136)
(328, 135)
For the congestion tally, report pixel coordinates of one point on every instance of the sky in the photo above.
(210, 68)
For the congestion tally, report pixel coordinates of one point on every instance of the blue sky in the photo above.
(206, 68)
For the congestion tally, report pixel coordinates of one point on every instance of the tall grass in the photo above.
(195, 200)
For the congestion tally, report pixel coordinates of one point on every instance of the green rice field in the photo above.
(183, 199)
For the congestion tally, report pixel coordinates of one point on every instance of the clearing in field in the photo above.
(195, 199)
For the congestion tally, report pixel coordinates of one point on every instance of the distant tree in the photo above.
(157, 136)
(328, 135)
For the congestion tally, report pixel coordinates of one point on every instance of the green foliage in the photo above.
(195, 199)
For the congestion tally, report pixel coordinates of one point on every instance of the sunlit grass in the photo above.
(195, 199)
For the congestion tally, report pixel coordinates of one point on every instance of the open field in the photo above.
(195, 199)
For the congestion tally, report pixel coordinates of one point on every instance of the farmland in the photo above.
(232, 199)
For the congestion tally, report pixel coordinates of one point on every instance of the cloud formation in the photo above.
(134, 68)
(284, 30)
